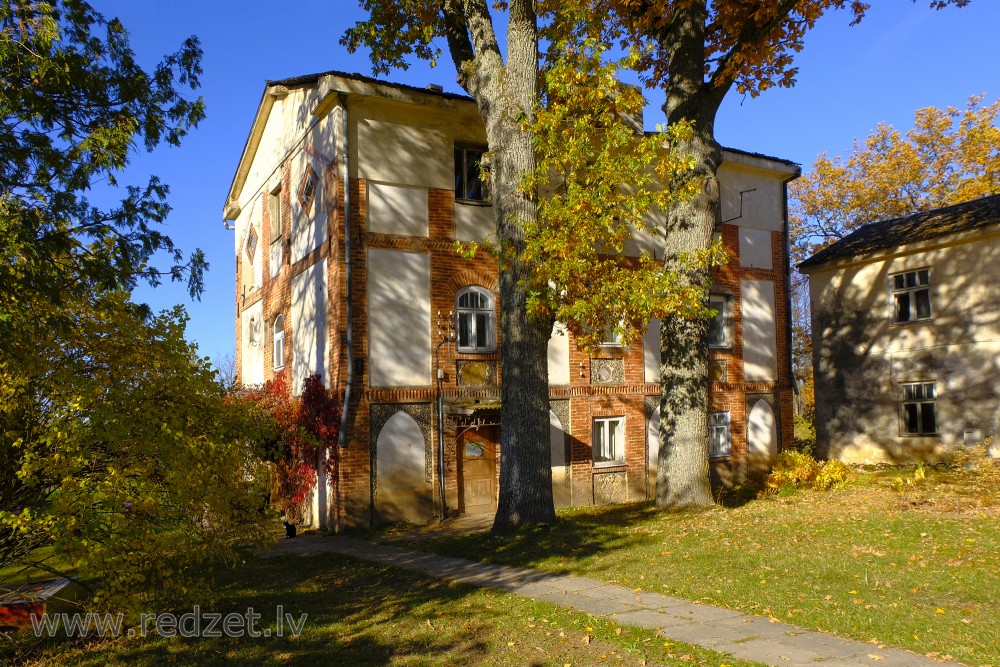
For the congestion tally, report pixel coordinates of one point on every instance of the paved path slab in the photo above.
(741, 635)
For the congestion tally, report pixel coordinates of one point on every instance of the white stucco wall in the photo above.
(310, 348)
(558, 355)
(474, 222)
(755, 248)
(394, 209)
(651, 351)
(763, 201)
(253, 338)
(760, 350)
(250, 266)
(399, 318)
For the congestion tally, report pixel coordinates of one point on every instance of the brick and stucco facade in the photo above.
(375, 309)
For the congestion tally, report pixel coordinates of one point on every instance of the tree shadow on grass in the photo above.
(358, 614)
(583, 533)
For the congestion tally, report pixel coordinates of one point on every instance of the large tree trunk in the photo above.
(682, 469)
(506, 93)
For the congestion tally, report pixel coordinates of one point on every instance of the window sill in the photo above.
(474, 202)
(720, 457)
(479, 352)
(920, 435)
(279, 368)
(919, 321)
(608, 465)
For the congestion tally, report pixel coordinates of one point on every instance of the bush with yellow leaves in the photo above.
(793, 469)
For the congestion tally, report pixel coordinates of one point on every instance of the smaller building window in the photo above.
(917, 409)
(719, 442)
(274, 209)
(609, 440)
(476, 320)
(718, 328)
(469, 184)
(911, 295)
(279, 342)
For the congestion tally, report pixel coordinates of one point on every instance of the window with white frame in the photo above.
(719, 441)
(911, 295)
(469, 184)
(718, 328)
(917, 413)
(278, 339)
(476, 320)
(611, 337)
(609, 440)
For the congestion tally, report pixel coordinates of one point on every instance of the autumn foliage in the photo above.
(302, 443)
(949, 156)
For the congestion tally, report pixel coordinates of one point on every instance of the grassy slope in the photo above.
(362, 614)
(919, 569)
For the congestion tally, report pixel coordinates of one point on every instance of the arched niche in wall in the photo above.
(401, 490)
(762, 438)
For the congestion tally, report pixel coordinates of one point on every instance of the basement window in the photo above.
(719, 441)
(917, 409)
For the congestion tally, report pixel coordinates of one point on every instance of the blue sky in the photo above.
(902, 57)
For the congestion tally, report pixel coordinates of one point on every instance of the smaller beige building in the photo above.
(906, 335)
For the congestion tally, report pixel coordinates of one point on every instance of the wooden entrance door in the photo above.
(479, 471)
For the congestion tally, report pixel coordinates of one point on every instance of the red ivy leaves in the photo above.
(306, 438)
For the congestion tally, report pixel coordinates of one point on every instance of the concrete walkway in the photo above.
(741, 635)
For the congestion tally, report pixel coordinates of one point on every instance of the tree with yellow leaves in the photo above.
(696, 51)
(950, 156)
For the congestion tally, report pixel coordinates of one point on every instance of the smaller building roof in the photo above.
(888, 234)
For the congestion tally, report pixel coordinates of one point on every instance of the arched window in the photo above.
(476, 320)
(279, 342)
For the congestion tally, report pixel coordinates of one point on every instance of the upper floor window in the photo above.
(911, 295)
(917, 408)
(279, 342)
(718, 328)
(611, 337)
(468, 174)
(719, 441)
(476, 320)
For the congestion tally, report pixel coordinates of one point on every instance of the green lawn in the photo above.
(918, 568)
(363, 614)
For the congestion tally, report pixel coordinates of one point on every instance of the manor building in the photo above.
(347, 202)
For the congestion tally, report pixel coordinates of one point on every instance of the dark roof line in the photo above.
(886, 234)
(313, 78)
(763, 156)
